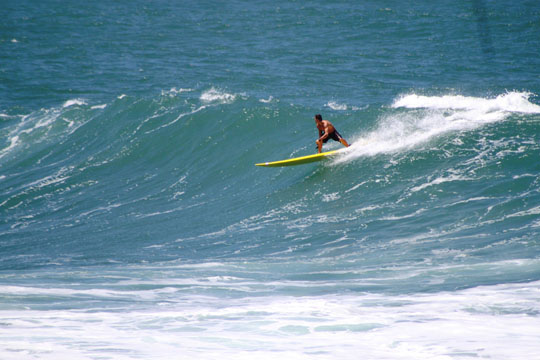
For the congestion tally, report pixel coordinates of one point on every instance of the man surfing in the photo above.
(327, 131)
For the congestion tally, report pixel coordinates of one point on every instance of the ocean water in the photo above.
(134, 224)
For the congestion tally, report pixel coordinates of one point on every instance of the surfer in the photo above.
(327, 131)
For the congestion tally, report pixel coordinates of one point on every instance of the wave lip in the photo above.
(423, 118)
(510, 102)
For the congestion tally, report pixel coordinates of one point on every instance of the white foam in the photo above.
(13, 141)
(532, 211)
(182, 115)
(214, 95)
(440, 180)
(174, 91)
(266, 101)
(511, 102)
(73, 102)
(38, 125)
(341, 107)
(479, 198)
(102, 106)
(356, 186)
(497, 322)
(331, 197)
(210, 98)
(335, 106)
(433, 116)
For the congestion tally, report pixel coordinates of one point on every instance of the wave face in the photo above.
(134, 223)
(151, 173)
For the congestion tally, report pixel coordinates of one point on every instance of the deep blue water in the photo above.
(135, 225)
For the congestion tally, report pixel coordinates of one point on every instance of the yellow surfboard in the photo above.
(302, 159)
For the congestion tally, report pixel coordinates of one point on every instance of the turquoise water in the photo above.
(134, 224)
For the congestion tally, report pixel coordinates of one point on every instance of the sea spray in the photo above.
(419, 119)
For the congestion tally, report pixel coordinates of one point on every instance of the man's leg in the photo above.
(344, 142)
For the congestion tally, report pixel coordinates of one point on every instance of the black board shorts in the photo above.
(334, 136)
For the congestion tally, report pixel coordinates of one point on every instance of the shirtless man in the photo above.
(327, 131)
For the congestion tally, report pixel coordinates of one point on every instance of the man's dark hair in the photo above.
(318, 117)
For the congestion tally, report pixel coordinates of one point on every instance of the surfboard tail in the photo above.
(301, 160)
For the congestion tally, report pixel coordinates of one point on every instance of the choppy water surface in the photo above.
(135, 225)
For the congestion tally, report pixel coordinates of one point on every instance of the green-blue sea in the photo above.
(134, 224)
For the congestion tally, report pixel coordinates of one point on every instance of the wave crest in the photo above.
(511, 102)
(419, 119)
